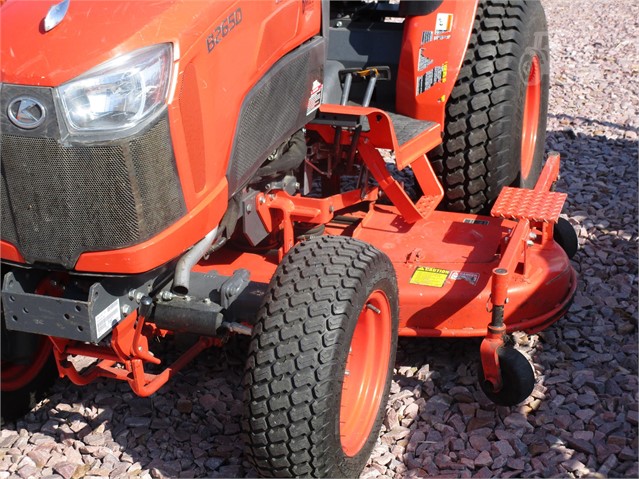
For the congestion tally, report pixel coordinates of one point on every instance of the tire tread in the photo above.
(480, 109)
(292, 360)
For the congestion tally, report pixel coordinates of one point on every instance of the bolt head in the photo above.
(167, 295)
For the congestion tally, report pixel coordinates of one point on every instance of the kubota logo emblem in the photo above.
(26, 112)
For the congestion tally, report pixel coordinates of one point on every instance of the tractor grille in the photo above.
(60, 201)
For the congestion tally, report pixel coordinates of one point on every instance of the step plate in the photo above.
(406, 128)
(519, 204)
(427, 204)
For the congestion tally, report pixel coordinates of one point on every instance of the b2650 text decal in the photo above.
(224, 29)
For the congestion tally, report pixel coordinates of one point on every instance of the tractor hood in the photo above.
(91, 32)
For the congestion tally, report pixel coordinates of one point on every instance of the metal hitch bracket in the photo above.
(77, 315)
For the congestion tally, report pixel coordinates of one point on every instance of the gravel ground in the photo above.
(581, 420)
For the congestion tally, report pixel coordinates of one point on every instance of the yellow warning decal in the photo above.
(425, 276)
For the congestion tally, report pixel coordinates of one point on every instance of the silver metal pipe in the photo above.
(346, 89)
(368, 94)
(239, 328)
(185, 264)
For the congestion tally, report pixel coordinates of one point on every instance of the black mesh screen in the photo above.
(7, 226)
(273, 110)
(59, 201)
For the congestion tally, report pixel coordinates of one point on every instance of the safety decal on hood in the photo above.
(315, 99)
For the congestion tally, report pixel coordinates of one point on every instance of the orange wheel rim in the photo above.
(530, 125)
(365, 373)
(17, 376)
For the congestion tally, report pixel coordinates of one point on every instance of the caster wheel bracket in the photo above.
(489, 350)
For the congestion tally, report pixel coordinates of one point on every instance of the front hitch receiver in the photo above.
(84, 310)
(127, 352)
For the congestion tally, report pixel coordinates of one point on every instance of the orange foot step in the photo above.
(427, 204)
(522, 204)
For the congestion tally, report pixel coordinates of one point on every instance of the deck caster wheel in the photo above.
(565, 236)
(518, 378)
(321, 360)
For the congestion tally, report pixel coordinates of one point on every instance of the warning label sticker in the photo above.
(427, 36)
(437, 75)
(426, 276)
(471, 278)
(424, 82)
(436, 277)
(473, 221)
(315, 99)
(443, 23)
(423, 60)
(107, 318)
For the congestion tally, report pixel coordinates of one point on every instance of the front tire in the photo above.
(25, 381)
(321, 360)
(495, 126)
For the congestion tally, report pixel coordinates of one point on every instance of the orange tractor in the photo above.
(244, 167)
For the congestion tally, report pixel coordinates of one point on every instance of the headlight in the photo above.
(119, 94)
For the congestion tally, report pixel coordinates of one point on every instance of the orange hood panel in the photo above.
(91, 33)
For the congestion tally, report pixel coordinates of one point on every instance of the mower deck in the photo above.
(444, 266)
(445, 262)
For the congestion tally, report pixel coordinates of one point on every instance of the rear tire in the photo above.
(494, 132)
(305, 416)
